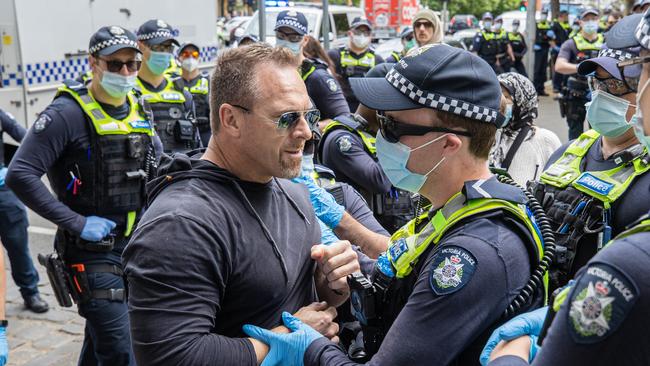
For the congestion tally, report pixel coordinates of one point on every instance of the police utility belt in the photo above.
(370, 297)
(579, 203)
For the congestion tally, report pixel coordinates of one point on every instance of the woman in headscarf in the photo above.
(521, 148)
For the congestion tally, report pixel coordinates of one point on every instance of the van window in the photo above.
(341, 24)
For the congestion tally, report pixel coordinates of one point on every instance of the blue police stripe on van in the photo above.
(595, 184)
(140, 124)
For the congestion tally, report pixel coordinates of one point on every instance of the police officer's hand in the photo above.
(3, 174)
(96, 228)
(527, 324)
(519, 347)
(320, 316)
(4, 347)
(325, 206)
(336, 262)
(286, 349)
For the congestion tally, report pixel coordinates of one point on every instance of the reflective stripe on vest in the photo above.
(606, 186)
(368, 60)
(501, 35)
(168, 95)
(396, 56)
(583, 45)
(368, 139)
(311, 71)
(543, 25)
(201, 87)
(488, 35)
(512, 36)
(406, 245)
(107, 125)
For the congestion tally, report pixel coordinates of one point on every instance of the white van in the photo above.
(340, 19)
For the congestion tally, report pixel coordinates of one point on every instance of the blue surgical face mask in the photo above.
(116, 85)
(590, 27)
(497, 26)
(487, 25)
(638, 124)
(307, 166)
(393, 159)
(508, 114)
(575, 28)
(292, 46)
(158, 62)
(606, 114)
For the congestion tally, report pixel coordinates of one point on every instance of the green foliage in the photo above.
(476, 7)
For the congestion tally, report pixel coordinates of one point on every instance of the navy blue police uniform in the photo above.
(13, 223)
(199, 87)
(91, 174)
(323, 89)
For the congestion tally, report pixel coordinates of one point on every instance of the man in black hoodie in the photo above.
(226, 241)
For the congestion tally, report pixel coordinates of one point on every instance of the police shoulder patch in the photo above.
(451, 269)
(599, 303)
(42, 122)
(344, 143)
(331, 84)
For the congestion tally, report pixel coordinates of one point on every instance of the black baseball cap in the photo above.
(622, 33)
(110, 39)
(292, 19)
(436, 76)
(608, 59)
(360, 22)
(156, 31)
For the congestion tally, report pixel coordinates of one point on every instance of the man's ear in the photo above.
(230, 120)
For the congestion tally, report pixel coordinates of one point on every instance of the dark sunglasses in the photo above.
(408, 38)
(632, 63)
(417, 25)
(288, 120)
(393, 130)
(614, 86)
(291, 37)
(116, 65)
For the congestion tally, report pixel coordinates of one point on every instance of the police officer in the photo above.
(594, 186)
(13, 226)
(323, 89)
(408, 42)
(543, 37)
(355, 59)
(172, 108)
(575, 92)
(485, 44)
(444, 284)
(636, 7)
(95, 144)
(505, 55)
(519, 47)
(613, 282)
(561, 28)
(198, 83)
(575, 29)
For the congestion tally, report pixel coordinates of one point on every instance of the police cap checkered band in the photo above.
(110, 39)
(292, 19)
(161, 33)
(617, 54)
(440, 102)
(112, 42)
(642, 33)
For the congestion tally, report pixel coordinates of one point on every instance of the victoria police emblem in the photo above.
(344, 143)
(599, 303)
(452, 269)
(42, 122)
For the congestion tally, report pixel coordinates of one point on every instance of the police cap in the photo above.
(156, 31)
(360, 22)
(292, 19)
(110, 39)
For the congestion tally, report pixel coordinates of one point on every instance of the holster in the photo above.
(59, 279)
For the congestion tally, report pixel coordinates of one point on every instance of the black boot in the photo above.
(36, 304)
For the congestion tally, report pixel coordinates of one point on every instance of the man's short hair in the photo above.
(483, 134)
(235, 81)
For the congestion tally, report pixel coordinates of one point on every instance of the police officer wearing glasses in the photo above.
(198, 84)
(596, 185)
(603, 318)
(171, 107)
(408, 42)
(96, 145)
(453, 274)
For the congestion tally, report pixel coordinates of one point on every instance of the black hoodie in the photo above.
(211, 254)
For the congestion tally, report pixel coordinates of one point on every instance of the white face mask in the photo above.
(360, 41)
(497, 26)
(190, 64)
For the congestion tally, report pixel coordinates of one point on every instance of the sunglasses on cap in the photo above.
(393, 130)
(188, 53)
(288, 120)
(614, 86)
(632, 64)
(116, 65)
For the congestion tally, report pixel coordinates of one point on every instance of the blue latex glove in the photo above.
(327, 236)
(4, 348)
(537, 47)
(550, 34)
(286, 349)
(524, 324)
(3, 174)
(96, 228)
(324, 203)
